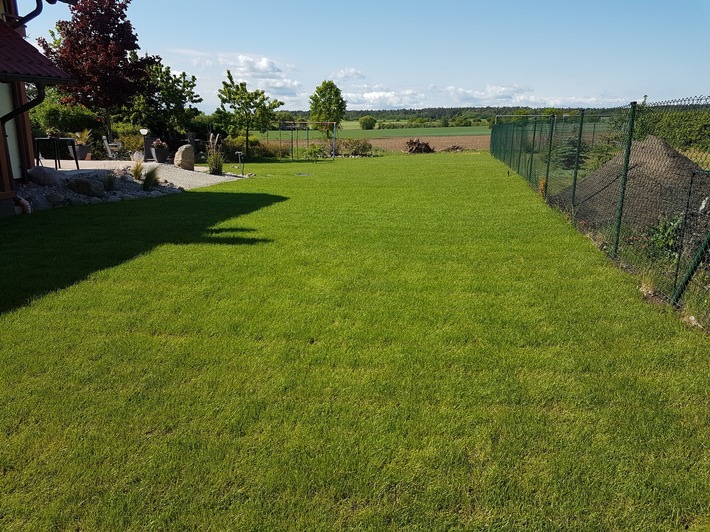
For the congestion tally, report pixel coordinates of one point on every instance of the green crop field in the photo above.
(413, 132)
(352, 130)
(411, 342)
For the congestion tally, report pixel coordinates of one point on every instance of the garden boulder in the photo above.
(185, 158)
(87, 187)
(47, 177)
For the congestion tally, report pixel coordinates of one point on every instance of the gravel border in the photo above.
(184, 179)
(106, 182)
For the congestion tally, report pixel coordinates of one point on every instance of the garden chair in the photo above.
(112, 148)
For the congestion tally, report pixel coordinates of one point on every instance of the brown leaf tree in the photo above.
(97, 47)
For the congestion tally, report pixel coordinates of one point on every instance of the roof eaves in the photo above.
(20, 61)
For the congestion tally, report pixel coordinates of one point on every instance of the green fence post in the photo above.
(522, 128)
(509, 154)
(532, 151)
(576, 161)
(683, 227)
(691, 271)
(553, 118)
(624, 176)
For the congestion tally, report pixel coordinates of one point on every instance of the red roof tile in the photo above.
(20, 61)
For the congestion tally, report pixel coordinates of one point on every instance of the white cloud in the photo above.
(519, 95)
(246, 66)
(491, 95)
(366, 97)
(280, 87)
(347, 74)
(198, 59)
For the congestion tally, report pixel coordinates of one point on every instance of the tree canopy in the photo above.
(327, 104)
(95, 48)
(244, 110)
(164, 105)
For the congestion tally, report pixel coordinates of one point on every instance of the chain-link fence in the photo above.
(635, 179)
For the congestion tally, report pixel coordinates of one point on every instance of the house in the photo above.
(20, 63)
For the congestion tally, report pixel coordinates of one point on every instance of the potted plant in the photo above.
(52, 132)
(81, 140)
(159, 149)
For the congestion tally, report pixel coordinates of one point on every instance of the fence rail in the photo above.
(635, 179)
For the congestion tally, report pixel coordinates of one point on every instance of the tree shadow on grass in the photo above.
(54, 249)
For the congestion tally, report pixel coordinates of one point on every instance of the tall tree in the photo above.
(242, 110)
(328, 105)
(164, 105)
(95, 48)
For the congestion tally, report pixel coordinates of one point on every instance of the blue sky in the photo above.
(392, 54)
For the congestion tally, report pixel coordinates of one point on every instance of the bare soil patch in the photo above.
(467, 142)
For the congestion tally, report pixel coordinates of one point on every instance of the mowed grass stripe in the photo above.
(383, 343)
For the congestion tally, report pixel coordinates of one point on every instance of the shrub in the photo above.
(132, 143)
(367, 122)
(565, 154)
(61, 117)
(686, 129)
(274, 149)
(600, 154)
(664, 238)
(461, 121)
(354, 147)
(122, 129)
(316, 151)
(231, 145)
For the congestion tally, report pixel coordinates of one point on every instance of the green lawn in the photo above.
(397, 342)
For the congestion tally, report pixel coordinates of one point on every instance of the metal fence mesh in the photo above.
(635, 179)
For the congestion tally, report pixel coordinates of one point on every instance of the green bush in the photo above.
(315, 152)
(460, 121)
(274, 149)
(63, 118)
(131, 143)
(231, 145)
(121, 129)
(354, 147)
(685, 129)
(664, 238)
(564, 155)
(368, 122)
(599, 155)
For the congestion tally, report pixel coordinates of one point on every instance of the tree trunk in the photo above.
(246, 144)
(107, 123)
